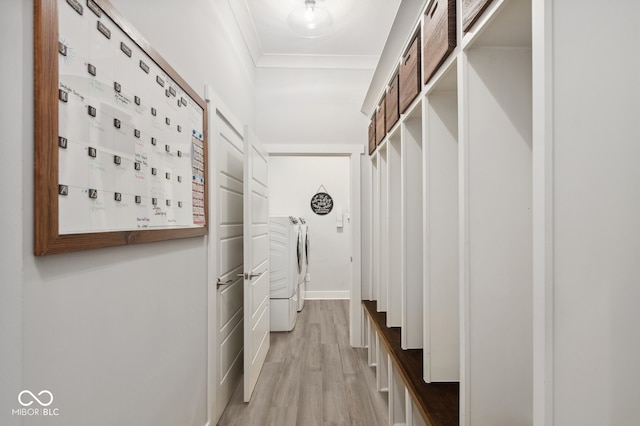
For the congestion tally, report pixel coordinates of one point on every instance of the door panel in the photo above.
(260, 292)
(229, 262)
(259, 247)
(232, 202)
(256, 263)
(234, 339)
(231, 299)
(230, 257)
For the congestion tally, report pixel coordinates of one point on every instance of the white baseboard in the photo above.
(327, 295)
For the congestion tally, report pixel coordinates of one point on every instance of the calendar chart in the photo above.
(130, 134)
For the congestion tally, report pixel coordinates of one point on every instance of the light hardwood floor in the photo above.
(312, 376)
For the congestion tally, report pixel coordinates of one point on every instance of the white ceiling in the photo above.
(358, 34)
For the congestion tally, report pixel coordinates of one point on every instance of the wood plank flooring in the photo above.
(312, 376)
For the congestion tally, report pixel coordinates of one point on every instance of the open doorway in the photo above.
(293, 181)
(296, 174)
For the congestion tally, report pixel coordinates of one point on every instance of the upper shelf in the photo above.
(448, 81)
(505, 23)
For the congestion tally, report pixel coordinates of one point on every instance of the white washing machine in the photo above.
(285, 246)
(304, 261)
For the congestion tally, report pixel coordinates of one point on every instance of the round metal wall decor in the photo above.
(321, 203)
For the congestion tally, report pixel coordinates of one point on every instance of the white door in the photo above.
(227, 321)
(256, 262)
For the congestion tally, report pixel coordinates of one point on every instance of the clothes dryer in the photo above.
(304, 259)
(284, 270)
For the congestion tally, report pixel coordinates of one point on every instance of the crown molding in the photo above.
(247, 27)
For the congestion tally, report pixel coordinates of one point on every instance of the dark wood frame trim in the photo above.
(47, 239)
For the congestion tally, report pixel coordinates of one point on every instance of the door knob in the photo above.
(248, 276)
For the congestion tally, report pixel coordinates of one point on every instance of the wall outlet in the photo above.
(307, 277)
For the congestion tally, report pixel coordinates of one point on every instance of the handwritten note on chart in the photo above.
(131, 147)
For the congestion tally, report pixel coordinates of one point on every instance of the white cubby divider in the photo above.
(413, 414)
(395, 277)
(382, 366)
(441, 299)
(397, 391)
(411, 229)
(383, 226)
(372, 347)
(496, 208)
(375, 227)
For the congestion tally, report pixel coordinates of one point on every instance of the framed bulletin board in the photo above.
(120, 137)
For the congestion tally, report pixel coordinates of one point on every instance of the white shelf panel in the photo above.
(382, 367)
(441, 299)
(372, 350)
(497, 146)
(394, 226)
(505, 23)
(412, 231)
(375, 226)
(397, 395)
(383, 221)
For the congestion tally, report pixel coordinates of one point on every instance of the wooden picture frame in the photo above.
(48, 143)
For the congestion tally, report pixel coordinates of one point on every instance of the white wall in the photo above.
(117, 335)
(16, 128)
(293, 180)
(596, 211)
(311, 105)
(201, 40)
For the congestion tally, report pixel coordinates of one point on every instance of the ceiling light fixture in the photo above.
(310, 21)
